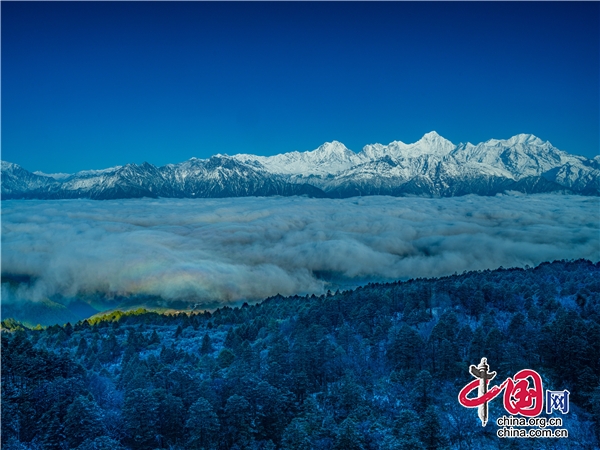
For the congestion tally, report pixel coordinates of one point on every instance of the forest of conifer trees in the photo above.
(378, 367)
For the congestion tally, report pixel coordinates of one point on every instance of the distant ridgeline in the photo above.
(431, 167)
(378, 367)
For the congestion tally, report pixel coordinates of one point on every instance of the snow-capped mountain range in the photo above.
(433, 167)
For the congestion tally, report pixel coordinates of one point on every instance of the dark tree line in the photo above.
(378, 367)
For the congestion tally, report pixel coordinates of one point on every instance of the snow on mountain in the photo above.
(17, 179)
(56, 176)
(80, 174)
(526, 156)
(432, 166)
(430, 144)
(91, 173)
(330, 158)
(219, 176)
(521, 156)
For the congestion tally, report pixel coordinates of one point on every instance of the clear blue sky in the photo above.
(90, 85)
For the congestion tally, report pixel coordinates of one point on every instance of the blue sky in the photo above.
(91, 85)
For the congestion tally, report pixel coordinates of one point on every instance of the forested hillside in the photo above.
(379, 367)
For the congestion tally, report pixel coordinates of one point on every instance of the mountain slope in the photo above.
(219, 176)
(432, 166)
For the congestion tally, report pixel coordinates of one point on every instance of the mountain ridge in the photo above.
(432, 167)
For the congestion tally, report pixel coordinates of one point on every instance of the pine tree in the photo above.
(154, 338)
(101, 443)
(83, 421)
(238, 425)
(202, 425)
(423, 390)
(54, 436)
(233, 340)
(477, 346)
(225, 358)
(178, 331)
(170, 421)
(348, 437)
(405, 346)
(406, 431)
(493, 345)
(206, 347)
(431, 430)
(139, 417)
(81, 348)
(296, 436)
(109, 349)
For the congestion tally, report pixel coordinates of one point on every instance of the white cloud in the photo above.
(227, 250)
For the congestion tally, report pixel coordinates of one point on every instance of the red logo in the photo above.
(519, 396)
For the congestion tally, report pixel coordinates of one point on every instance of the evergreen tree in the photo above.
(296, 436)
(54, 437)
(494, 343)
(477, 346)
(232, 340)
(348, 437)
(178, 331)
(390, 442)
(202, 425)
(101, 443)
(431, 430)
(406, 430)
(404, 348)
(423, 390)
(237, 419)
(206, 347)
(170, 421)
(154, 338)
(83, 421)
(81, 348)
(109, 349)
(139, 418)
(225, 358)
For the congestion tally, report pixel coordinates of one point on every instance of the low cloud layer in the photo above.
(228, 250)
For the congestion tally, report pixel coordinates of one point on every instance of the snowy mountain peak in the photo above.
(329, 158)
(522, 138)
(8, 166)
(433, 143)
(56, 176)
(432, 166)
(93, 172)
(333, 148)
(430, 144)
(431, 135)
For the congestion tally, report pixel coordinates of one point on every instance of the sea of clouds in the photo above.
(218, 251)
